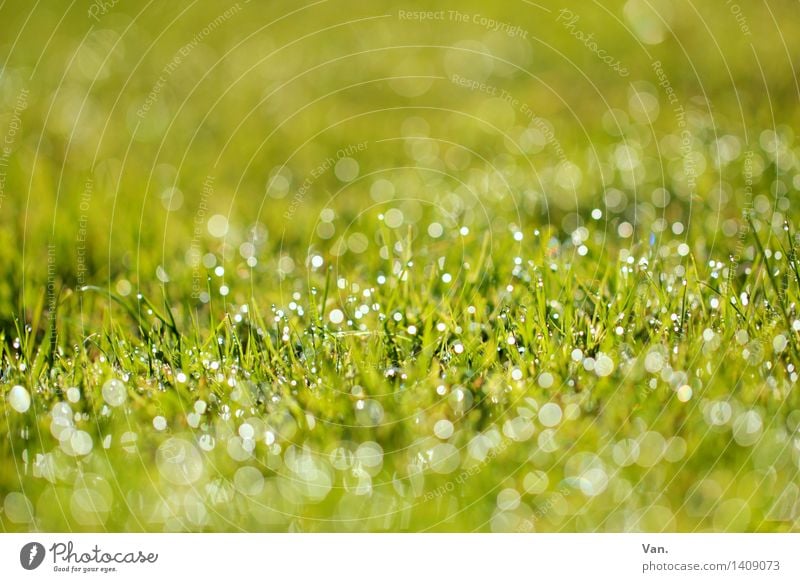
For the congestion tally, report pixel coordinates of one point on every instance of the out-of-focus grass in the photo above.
(558, 300)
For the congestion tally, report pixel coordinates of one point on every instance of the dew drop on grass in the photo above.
(336, 316)
(19, 399)
(114, 393)
(370, 454)
(478, 447)
(249, 481)
(17, 507)
(718, 413)
(89, 507)
(519, 429)
(217, 226)
(603, 365)
(651, 447)
(346, 169)
(159, 423)
(508, 500)
(73, 394)
(779, 343)
(394, 218)
(747, 428)
(545, 380)
(676, 449)
(206, 442)
(535, 482)
(654, 361)
(593, 481)
(443, 429)
(246, 431)
(61, 410)
(179, 461)
(80, 443)
(550, 414)
(547, 441)
(61, 427)
(435, 230)
(625, 452)
(444, 458)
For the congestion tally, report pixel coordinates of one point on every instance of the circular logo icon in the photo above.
(31, 555)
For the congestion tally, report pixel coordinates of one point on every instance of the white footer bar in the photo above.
(400, 557)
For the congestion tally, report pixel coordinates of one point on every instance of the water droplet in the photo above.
(443, 429)
(550, 414)
(508, 499)
(535, 482)
(19, 399)
(546, 380)
(444, 458)
(114, 392)
(179, 461)
(249, 480)
(336, 316)
(603, 365)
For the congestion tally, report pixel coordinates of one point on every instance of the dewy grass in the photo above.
(458, 282)
(536, 394)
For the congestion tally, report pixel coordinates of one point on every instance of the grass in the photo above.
(479, 321)
(696, 437)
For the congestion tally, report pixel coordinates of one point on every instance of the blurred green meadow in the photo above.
(395, 266)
